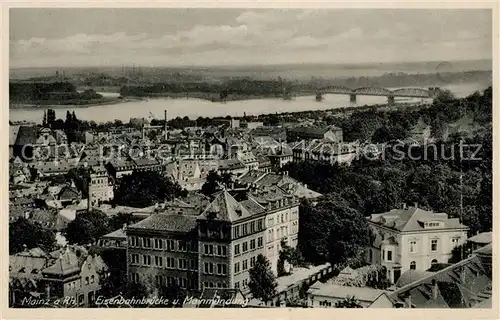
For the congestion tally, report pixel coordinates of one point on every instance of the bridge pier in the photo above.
(352, 97)
(390, 100)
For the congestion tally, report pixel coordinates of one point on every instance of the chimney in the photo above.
(415, 204)
(434, 289)
(404, 206)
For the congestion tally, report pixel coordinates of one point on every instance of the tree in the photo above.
(459, 253)
(331, 231)
(26, 234)
(87, 227)
(212, 183)
(348, 302)
(262, 280)
(143, 189)
(44, 121)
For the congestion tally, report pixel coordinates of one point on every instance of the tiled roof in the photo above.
(412, 219)
(410, 276)
(338, 291)
(26, 135)
(120, 233)
(13, 131)
(482, 238)
(461, 285)
(167, 222)
(69, 261)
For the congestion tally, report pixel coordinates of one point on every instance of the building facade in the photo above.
(213, 247)
(413, 239)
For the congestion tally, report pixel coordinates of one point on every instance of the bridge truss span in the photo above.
(336, 89)
(373, 91)
(412, 92)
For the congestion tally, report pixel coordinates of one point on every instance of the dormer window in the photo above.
(433, 224)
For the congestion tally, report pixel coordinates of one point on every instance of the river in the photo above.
(194, 108)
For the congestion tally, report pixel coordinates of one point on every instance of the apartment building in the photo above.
(99, 186)
(211, 246)
(413, 239)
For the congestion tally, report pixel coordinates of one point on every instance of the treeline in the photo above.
(439, 177)
(43, 91)
(407, 80)
(31, 91)
(239, 87)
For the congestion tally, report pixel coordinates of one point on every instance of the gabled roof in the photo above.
(69, 261)
(26, 135)
(225, 208)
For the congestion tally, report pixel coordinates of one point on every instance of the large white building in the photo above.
(412, 238)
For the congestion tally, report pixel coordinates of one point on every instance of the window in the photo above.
(158, 261)
(252, 227)
(413, 265)
(192, 263)
(134, 241)
(245, 247)
(170, 245)
(383, 254)
(252, 244)
(183, 282)
(134, 277)
(413, 246)
(92, 279)
(389, 255)
(86, 281)
(236, 249)
(270, 235)
(260, 242)
(221, 251)
(209, 249)
(237, 231)
(183, 264)
(260, 224)
(146, 260)
(221, 269)
(434, 245)
(252, 261)
(236, 285)
(183, 246)
(170, 263)
(209, 268)
(81, 299)
(160, 280)
(135, 258)
(147, 242)
(454, 241)
(245, 229)
(245, 264)
(244, 283)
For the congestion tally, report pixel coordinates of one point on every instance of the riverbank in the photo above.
(215, 97)
(85, 104)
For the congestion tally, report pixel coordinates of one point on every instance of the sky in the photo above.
(209, 37)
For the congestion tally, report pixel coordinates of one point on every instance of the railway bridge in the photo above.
(366, 91)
